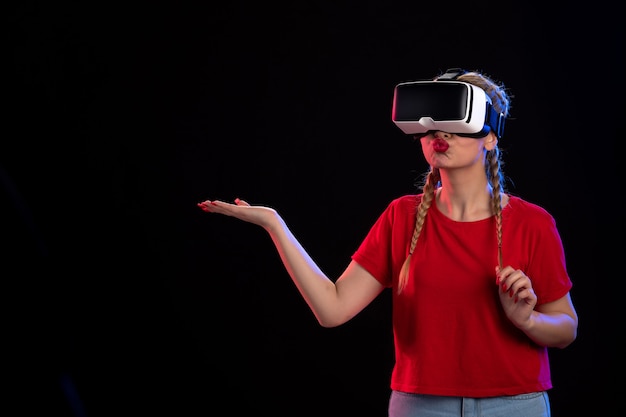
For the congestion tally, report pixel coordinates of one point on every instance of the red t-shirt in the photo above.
(450, 332)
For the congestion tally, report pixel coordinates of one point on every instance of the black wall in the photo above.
(123, 298)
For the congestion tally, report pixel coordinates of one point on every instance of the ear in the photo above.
(491, 141)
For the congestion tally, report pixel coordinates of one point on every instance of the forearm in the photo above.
(551, 329)
(319, 292)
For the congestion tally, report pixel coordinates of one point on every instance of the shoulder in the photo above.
(407, 200)
(527, 212)
(400, 210)
(405, 203)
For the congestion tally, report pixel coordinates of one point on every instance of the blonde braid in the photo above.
(494, 173)
(430, 185)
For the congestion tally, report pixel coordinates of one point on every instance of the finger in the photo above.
(502, 274)
(240, 202)
(203, 205)
(207, 205)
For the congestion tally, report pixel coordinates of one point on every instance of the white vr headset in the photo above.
(446, 105)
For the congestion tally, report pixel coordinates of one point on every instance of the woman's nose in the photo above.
(443, 135)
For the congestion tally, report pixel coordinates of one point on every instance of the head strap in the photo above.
(451, 74)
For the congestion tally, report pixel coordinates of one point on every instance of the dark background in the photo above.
(124, 299)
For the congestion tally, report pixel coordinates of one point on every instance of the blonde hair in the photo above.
(493, 169)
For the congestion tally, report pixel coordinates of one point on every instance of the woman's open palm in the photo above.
(242, 210)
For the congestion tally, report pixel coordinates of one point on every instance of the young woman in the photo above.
(479, 279)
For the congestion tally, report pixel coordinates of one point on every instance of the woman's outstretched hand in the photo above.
(259, 215)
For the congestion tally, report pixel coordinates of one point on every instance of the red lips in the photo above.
(440, 145)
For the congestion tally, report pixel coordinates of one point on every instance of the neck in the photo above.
(464, 198)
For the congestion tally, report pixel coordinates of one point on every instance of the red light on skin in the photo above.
(440, 145)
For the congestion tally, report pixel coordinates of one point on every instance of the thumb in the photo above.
(240, 202)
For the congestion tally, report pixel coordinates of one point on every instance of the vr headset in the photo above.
(446, 105)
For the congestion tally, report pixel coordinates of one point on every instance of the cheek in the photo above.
(473, 146)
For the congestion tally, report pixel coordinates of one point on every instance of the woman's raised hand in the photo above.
(262, 216)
